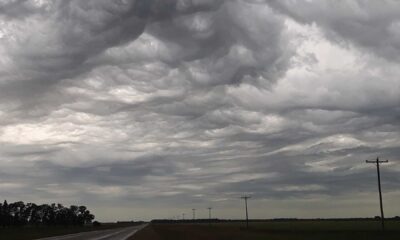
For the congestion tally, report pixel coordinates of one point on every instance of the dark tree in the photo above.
(19, 214)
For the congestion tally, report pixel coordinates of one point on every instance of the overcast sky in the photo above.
(144, 109)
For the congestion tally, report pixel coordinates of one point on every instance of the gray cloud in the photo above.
(22, 8)
(368, 24)
(195, 102)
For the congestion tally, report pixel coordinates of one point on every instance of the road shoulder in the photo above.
(145, 233)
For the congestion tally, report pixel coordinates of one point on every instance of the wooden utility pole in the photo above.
(209, 215)
(245, 197)
(378, 162)
(194, 213)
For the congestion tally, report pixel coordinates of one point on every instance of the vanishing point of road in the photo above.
(109, 234)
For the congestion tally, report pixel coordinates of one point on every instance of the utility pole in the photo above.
(209, 215)
(245, 197)
(183, 216)
(194, 213)
(377, 162)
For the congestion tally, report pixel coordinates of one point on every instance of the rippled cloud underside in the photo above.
(145, 109)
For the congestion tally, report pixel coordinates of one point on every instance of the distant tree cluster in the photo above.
(19, 214)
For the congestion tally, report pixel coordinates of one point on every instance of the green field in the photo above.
(290, 230)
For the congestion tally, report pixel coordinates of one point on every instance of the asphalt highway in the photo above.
(110, 234)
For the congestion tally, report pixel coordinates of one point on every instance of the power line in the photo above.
(378, 162)
(245, 197)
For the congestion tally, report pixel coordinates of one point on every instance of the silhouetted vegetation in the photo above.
(20, 214)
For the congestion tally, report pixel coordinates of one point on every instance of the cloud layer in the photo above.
(149, 105)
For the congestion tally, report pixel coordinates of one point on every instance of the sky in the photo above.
(143, 109)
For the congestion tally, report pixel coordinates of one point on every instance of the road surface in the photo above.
(110, 234)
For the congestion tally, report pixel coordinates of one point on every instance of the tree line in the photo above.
(20, 214)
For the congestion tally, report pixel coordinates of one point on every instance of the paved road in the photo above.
(110, 234)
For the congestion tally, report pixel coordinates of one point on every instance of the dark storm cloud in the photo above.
(74, 32)
(62, 42)
(65, 43)
(369, 24)
(196, 101)
(19, 8)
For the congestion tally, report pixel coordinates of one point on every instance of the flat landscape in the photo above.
(186, 119)
(291, 230)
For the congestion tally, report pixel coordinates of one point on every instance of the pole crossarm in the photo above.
(375, 161)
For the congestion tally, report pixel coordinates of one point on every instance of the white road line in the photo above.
(108, 235)
(137, 230)
(130, 234)
(70, 235)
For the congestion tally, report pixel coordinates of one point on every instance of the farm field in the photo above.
(291, 230)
